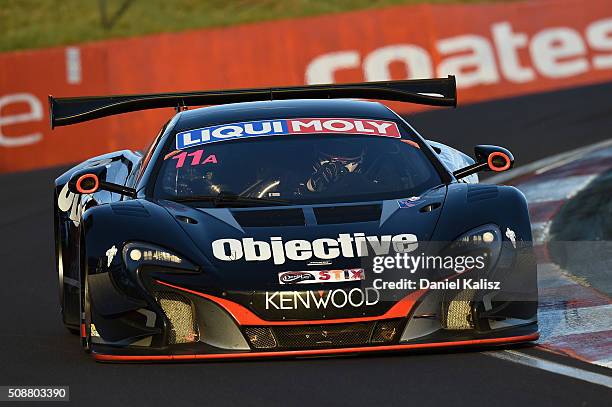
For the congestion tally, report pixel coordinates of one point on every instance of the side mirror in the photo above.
(488, 158)
(91, 180)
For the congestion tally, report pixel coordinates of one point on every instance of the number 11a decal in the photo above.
(196, 158)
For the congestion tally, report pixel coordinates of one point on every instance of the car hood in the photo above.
(249, 247)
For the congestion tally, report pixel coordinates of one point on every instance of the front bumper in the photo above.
(504, 340)
(223, 329)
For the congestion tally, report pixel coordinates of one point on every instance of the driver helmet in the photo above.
(347, 154)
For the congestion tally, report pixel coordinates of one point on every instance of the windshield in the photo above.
(297, 169)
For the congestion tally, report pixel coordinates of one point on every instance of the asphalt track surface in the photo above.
(36, 350)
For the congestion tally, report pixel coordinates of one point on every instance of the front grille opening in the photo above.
(324, 336)
(319, 336)
(329, 215)
(179, 310)
(386, 331)
(261, 338)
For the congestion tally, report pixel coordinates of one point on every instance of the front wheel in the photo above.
(68, 300)
(62, 294)
(86, 318)
(85, 326)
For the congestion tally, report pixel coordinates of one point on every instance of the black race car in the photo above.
(289, 222)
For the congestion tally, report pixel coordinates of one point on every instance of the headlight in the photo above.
(135, 254)
(484, 241)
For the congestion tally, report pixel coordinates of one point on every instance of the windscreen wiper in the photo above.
(229, 198)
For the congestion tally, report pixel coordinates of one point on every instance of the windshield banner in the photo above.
(191, 138)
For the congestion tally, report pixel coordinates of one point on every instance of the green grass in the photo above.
(43, 23)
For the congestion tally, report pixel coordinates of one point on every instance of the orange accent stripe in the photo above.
(311, 352)
(171, 154)
(412, 143)
(244, 316)
(83, 331)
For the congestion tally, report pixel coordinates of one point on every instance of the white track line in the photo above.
(605, 363)
(553, 367)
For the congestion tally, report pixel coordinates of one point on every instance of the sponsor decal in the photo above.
(345, 245)
(261, 128)
(406, 204)
(72, 204)
(511, 236)
(197, 158)
(321, 276)
(338, 299)
(296, 277)
(110, 255)
(499, 54)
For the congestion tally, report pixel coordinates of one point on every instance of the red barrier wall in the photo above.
(496, 50)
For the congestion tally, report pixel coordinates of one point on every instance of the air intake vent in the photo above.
(179, 311)
(481, 192)
(457, 314)
(324, 336)
(261, 337)
(386, 331)
(130, 208)
(270, 218)
(327, 215)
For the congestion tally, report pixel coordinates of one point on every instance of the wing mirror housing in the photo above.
(91, 180)
(488, 158)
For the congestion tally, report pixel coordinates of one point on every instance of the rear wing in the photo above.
(433, 92)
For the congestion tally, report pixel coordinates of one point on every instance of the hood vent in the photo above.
(328, 215)
(481, 192)
(130, 208)
(270, 218)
